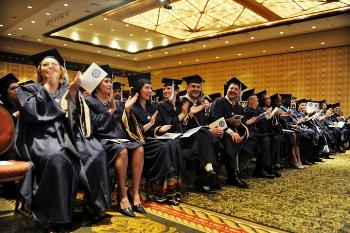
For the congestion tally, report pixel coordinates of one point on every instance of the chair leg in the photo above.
(18, 195)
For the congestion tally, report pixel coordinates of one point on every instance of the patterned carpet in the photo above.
(316, 199)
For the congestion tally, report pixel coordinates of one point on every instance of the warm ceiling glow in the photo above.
(29, 7)
(20, 28)
(74, 35)
(115, 45)
(96, 40)
(132, 48)
(47, 13)
(1, 25)
(65, 4)
(33, 21)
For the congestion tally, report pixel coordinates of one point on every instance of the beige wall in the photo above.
(316, 74)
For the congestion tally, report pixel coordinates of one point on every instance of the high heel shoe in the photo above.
(138, 207)
(125, 211)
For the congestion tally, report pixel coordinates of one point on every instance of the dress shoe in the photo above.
(236, 181)
(307, 162)
(172, 201)
(139, 208)
(127, 212)
(317, 160)
(206, 189)
(262, 173)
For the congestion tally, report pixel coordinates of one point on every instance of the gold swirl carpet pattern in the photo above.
(316, 199)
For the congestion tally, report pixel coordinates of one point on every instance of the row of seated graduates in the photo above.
(212, 146)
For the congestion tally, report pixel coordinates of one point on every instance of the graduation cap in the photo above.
(193, 79)
(108, 70)
(159, 93)
(25, 83)
(275, 97)
(286, 96)
(5, 82)
(321, 101)
(302, 101)
(261, 95)
(170, 82)
(247, 94)
(138, 80)
(215, 96)
(336, 105)
(117, 85)
(234, 80)
(53, 53)
(329, 106)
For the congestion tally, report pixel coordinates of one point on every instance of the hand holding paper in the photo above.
(92, 77)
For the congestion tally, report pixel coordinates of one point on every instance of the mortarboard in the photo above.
(247, 94)
(214, 96)
(170, 81)
(117, 85)
(25, 82)
(138, 80)
(159, 93)
(237, 82)
(321, 101)
(108, 70)
(5, 82)
(286, 96)
(53, 53)
(274, 98)
(182, 93)
(193, 79)
(261, 95)
(302, 101)
(336, 105)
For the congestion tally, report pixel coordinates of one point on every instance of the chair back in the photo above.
(7, 130)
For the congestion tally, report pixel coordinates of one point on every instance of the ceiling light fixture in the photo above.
(104, 18)
(239, 54)
(47, 13)
(204, 46)
(226, 42)
(1, 25)
(149, 67)
(65, 5)
(150, 55)
(33, 21)
(323, 43)
(64, 44)
(98, 51)
(197, 59)
(39, 40)
(9, 34)
(217, 57)
(252, 37)
(20, 28)
(281, 33)
(313, 27)
(292, 47)
(179, 62)
(165, 52)
(131, 35)
(112, 29)
(29, 7)
(264, 51)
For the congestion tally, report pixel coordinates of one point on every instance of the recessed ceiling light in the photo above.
(135, 58)
(47, 13)
(39, 40)
(1, 25)
(313, 27)
(183, 49)
(239, 54)
(65, 4)
(165, 52)
(33, 21)
(149, 67)
(217, 57)
(292, 47)
(104, 18)
(252, 37)
(179, 62)
(281, 33)
(118, 55)
(98, 51)
(131, 35)
(20, 28)
(264, 51)
(126, 25)
(323, 43)
(146, 30)
(150, 55)
(226, 42)
(197, 59)
(112, 29)
(9, 34)
(64, 44)
(204, 46)
(29, 7)
(90, 24)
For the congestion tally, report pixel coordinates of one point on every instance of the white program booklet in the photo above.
(119, 140)
(190, 132)
(92, 77)
(166, 136)
(219, 123)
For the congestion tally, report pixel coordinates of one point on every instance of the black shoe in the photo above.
(317, 160)
(172, 201)
(127, 212)
(139, 208)
(236, 181)
(206, 189)
(276, 173)
(307, 162)
(262, 173)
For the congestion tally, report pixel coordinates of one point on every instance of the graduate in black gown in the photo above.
(110, 121)
(8, 95)
(50, 134)
(227, 107)
(162, 158)
(205, 145)
(345, 130)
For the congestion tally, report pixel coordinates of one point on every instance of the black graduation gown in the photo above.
(168, 115)
(51, 184)
(223, 108)
(162, 158)
(106, 126)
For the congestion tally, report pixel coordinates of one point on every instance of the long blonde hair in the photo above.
(62, 79)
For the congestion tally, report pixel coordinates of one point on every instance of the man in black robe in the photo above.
(228, 107)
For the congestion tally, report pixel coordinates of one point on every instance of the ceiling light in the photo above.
(1, 25)
(204, 46)
(131, 35)
(146, 30)
(179, 62)
(95, 40)
(226, 42)
(33, 21)
(292, 47)
(65, 4)
(39, 40)
(90, 24)
(20, 28)
(64, 44)
(281, 33)
(104, 18)
(9, 34)
(165, 41)
(264, 51)
(135, 58)
(197, 59)
(132, 47)
(74, 35)
(323, 43)
(115, 45)
(165, 52)
(126, 25)
(183, 49)
(98, 51)
(48, 13)
(149, 44)
(239, 54)
(29, 7)
(112, 29)
(118, 55)
(217, 57)
(149, 67)
(313, 27)
(150, 55)
(252, 37)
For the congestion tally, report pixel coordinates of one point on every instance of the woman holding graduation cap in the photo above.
(162, 158)
(61, 153)
(109, 123)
